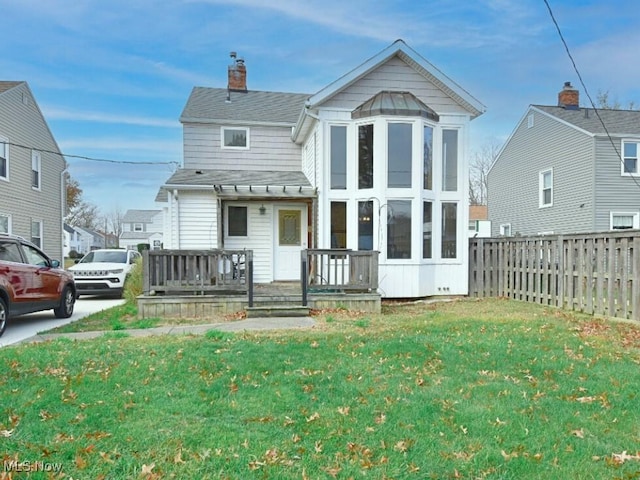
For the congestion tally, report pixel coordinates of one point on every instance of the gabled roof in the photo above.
(618, 122)
(210, 105)
(411, 57)
(139, 216)
(6, 85)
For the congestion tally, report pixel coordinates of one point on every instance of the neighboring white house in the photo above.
(378, 160)
(71, 240)
(142, 227)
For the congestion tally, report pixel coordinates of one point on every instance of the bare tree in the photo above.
(78, 212)
(113, 221)
(479, 170)
(604, 102)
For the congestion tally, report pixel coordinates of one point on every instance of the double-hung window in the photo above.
(36, 169)
(5, 223)
(630, 157)
(4, 158)
(546, 188)
(36, 233)
(338, 157)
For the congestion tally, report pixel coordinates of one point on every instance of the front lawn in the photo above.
(469, 389)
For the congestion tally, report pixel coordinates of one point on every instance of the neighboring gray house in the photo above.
(90, 240)
(32, 180)
(559, 171)
(142, 226)
(376, 160)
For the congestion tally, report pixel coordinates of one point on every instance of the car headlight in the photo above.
(116, 272)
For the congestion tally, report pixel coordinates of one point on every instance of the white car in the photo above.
(103, 272)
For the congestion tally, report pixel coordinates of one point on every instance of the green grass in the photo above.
(470, 389)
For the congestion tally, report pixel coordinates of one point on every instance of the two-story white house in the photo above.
(142, 227)
(32, 171)
(376, 160)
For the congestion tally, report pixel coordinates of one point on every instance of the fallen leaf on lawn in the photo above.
(578, 433)
(313, 417)
(344, 410)
(178, 457)
(620, 458)
(147, 469)
(318, 446)
(381, 418)
(6, 433)
(508, 456)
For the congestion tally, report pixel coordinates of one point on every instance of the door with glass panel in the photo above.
(290, 239)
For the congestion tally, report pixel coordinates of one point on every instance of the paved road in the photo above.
(28, 325)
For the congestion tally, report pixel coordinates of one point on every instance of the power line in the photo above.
(91, 159)
(586, 91)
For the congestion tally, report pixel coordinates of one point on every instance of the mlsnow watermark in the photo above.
(38, 466)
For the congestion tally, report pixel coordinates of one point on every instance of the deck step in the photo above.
(277, 311)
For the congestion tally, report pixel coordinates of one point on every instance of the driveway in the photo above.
(26, 326)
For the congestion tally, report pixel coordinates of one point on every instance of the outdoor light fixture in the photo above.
(262, 210)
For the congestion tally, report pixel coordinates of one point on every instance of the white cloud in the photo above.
(56, 113)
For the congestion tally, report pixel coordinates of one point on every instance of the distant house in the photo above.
(376, 160)
(71, 240)
(89, 240)
(142, 227)
(563, 171)
(479, 224)
(32, 180)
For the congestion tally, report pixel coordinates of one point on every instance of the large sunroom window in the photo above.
(450, 160)
(365, 225)
(399, 229)
(427, 157)
(365, 156)
(399, 155)
(449, 230)
(338, 157)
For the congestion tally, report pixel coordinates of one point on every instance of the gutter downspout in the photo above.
(63, 208)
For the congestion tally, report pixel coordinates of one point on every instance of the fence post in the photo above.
(249, 260)
(146, 279)
(304, 276)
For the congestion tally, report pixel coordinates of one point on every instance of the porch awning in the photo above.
(386, 102)
(241, 184)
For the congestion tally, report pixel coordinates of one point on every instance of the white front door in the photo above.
(290, 240)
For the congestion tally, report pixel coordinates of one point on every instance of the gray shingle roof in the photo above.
(394, 103)
(6, 85)
(209, 104)
(618, 122)
(139, 216)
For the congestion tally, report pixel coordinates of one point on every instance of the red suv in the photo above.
(30, 281)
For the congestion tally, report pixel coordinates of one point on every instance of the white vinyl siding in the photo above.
(271, 150)
(198, 221)
(395, 75)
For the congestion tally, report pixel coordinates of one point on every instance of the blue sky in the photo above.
(112, 77)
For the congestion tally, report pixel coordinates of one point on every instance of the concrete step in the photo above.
(277, 311)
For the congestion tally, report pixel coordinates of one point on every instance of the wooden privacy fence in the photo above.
(198, 272)
(338, 270)
(591, 273)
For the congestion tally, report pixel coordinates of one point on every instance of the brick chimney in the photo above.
(569, 97)
(237, 74)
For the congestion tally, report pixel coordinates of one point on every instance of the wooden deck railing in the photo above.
(339, 270)
(198, 272)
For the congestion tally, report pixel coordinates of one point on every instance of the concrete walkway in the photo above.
(273, 323)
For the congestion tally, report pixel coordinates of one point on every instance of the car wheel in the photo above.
(65, 310)
(3, 316)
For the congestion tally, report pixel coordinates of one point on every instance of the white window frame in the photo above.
(226, 221)
(36, 169)
(138, 227)
(8, 217)
(41, 228)
(230, 147)
(541, 189)
(4, 147)
(635, 215)
(637, 158)
(505, 230)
